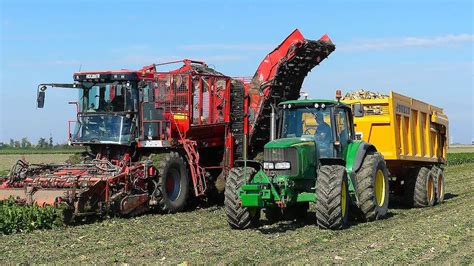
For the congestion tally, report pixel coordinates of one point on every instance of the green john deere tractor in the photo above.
(313, 157)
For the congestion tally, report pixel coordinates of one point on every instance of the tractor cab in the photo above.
(107, 107)
(327, 122)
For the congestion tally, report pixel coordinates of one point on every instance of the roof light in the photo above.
(338, 95)
(316, 105)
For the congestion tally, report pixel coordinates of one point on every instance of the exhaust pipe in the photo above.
(272, 123)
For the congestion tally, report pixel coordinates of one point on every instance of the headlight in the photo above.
(268, 165)
(282, 165)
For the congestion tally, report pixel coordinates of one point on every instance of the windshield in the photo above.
(311, 122)
(108, 97)
(102, 128)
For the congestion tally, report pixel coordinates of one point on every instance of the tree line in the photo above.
(25, 143)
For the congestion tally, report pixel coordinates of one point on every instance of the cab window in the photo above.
(343, 130)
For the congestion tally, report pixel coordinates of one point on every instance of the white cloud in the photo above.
(405, 42)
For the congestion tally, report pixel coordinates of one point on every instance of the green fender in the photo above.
(354, 155)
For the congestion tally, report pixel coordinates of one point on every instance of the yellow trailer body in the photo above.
(405, 130)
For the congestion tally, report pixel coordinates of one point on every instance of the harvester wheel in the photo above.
(239, 217)
(439, 183)
(424, 193)
(173, 183)
(332, 192)
(373, 187)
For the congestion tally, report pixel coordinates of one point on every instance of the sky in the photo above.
(422, 49)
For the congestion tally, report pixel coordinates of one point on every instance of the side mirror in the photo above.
(358, 110)
(40, 99)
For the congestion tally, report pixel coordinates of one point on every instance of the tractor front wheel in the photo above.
(332, 192)
(239, 217)
(173, 183)
(373, 187)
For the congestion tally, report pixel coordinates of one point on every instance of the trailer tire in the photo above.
(332, 192)
(173, 183)
(424, 194)
(239, 217)
(439, 183)
(373, 187)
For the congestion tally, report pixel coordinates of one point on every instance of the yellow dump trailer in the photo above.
(412, 137)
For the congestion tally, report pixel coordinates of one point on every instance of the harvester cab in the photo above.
(315, 158)
(107, 107)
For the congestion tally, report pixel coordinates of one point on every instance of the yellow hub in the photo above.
(430, 189)
(380, 188)
(343, 199)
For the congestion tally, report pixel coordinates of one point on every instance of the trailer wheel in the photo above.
(332, 192)
(173, 183)
(373, 187)
(439, 183)
(424, 193)
(239, 217)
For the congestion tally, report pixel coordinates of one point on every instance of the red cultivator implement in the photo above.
(99, 186)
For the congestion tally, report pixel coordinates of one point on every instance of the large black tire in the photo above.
(173, 183)
(373, 187)
(239, 217)
(424, 194)
(332, 192)
(439, 183)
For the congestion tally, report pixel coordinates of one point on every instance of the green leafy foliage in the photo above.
(460, 158)
(21, 218)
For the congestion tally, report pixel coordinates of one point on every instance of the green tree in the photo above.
(25, 143)
(42, 143)
(16, 144)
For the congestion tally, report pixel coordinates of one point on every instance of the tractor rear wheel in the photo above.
(373, 187)
(332, 192)
(239, 217)
(173, 183)
(424, 193)
(439, 183)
